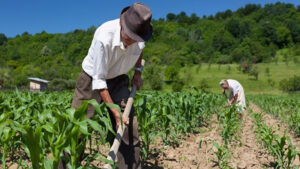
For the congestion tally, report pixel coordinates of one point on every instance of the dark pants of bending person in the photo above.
(129, 152)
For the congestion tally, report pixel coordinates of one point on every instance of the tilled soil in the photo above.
(249, 154)
(279, 127)
(246, 154)
(195, 151)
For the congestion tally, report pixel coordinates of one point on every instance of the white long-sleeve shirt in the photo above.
(236, 88)
(107, 57)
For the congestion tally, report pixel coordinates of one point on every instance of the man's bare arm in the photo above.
(105, 96)
(139, 61)
(234, 98)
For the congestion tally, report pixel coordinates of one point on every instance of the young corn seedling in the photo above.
(222, 155)
(146, 125)
(280, 147)
(230, 124)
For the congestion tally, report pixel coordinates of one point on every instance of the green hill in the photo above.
(250, 35)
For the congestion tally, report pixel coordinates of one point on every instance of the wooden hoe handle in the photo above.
(117, 141)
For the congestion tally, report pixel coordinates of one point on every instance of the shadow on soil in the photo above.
(149, 165)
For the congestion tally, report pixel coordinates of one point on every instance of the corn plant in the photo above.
(45, 124)
(280, 147)
(287, 109)
(222, 155)
(230, 124)
(146, 125)
(170, 115)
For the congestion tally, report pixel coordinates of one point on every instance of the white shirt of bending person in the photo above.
(236, 88)
(107, 57)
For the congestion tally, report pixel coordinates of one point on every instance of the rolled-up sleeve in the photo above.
(100, 66)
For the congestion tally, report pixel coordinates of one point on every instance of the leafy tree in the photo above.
(177, 86)
(5, 78)
(294, 27)
(223, 41)
(153, 77)
(254, 72)
(204, 85)
(267, 71)
(46, 51)
(248, 9)
(194, 18)
(171, 17)
(171, 73)
(268, 31)
(3, 39)
(284, 37)
(233, 26)
(271, 82)
(182, 18)
(290, 85)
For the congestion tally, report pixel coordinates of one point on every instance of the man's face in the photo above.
(127, 41)
(226, 86)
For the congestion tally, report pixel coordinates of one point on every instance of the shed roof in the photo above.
(38, 80)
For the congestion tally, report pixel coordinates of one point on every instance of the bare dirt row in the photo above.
(245, 154)
(194, 151)
(278, 127)
(248, 153)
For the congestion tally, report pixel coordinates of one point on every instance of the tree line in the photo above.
(251, 34)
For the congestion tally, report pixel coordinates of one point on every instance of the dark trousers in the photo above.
(129, 152)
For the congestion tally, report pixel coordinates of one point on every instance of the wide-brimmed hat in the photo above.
(136, 22)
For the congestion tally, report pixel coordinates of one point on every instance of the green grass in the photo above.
(277, 71)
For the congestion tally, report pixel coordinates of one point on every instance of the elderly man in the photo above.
(236, 92)
(116, 47)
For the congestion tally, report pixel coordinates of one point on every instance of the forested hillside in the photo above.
(252, 34)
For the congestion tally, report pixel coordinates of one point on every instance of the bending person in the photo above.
(236, 92)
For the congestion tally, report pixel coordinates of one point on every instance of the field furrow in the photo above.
(276, 135)
(194, 151)
(249, 154)
(278, 126)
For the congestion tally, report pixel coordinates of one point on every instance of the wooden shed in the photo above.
(37, 84)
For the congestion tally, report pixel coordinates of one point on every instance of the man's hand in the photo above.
(117, 118)
(229, 102)
(104, 94)
(137, 79)
(223, 91)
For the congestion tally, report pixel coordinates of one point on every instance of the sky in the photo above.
(61, 16)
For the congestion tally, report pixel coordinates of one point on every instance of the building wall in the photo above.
(34, 86)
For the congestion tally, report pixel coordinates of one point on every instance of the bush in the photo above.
(204, 85)
(153, 77)
(62, 84)
(245, 67)
(177, 85)
(250, 69)
(254, 72)
(171, 73)
(290, 85)
(271, 82)
(156, 84)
